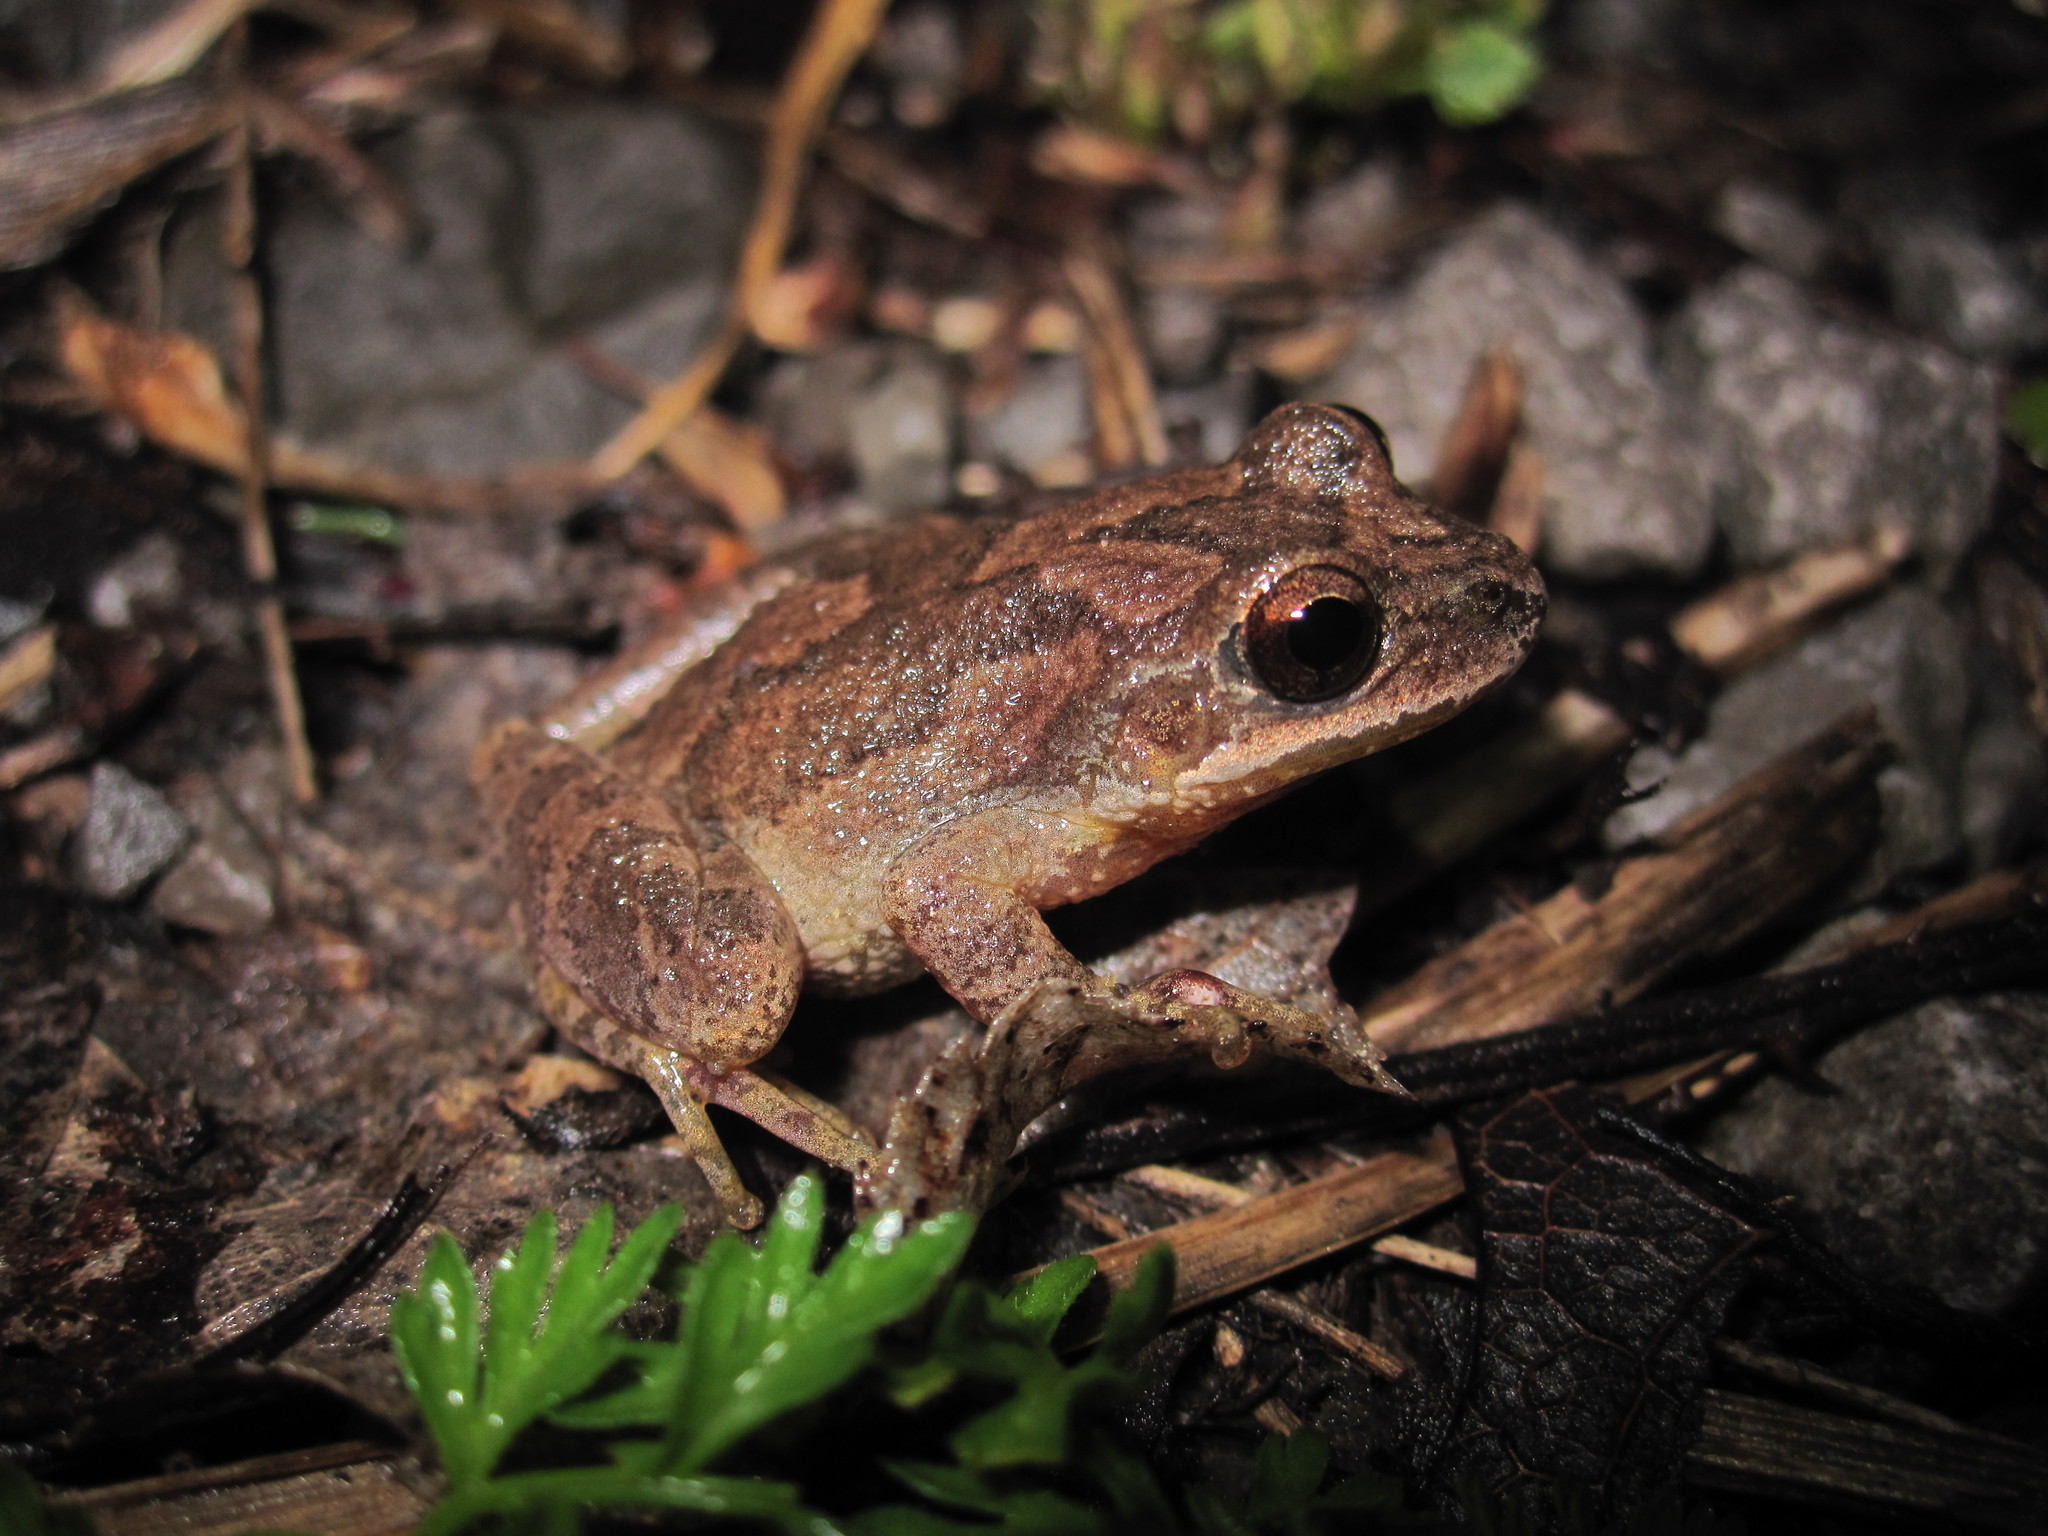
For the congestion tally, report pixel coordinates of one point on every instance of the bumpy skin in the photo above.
(895, 752)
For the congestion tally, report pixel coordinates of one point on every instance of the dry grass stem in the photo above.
(838, 36)
(1376, 1358)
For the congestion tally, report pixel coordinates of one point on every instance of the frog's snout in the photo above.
(1510, 604)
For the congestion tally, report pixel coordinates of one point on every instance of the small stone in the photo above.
(2004, 789)
(1904, 655)
(1622, 489)
(1352, 214)
(1965, 1074)
(619, 201)
(1818, 431)
(617, 222)
(1183, 331)
(223, 882)
(1774, 228)
(1044, 419)
(900, 433)
(146, 579)
(1951, 280)
(925, 58)
(131, 833)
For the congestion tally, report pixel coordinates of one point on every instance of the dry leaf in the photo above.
(166, 383)
(1071, 153)
(727, 462)
(805, 308)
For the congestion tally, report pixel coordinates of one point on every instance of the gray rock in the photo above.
(900, 433)
(1903, 655)
(2004, 789)
(1774, 228)
(1928, 1165)
(130, 834)
(618, 202)
(1183, 331)
(1819, 431)
(361, 326)
(1951, 280)
(223, 884)
(1352, 214)
(617, 220)
(1044, 417)
(1622, 491)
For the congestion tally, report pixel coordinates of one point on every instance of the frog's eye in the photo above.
(1313, 634)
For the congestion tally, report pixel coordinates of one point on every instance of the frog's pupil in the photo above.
(1326, 634)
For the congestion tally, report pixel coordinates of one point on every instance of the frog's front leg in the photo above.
(665, 951)
(965, 903)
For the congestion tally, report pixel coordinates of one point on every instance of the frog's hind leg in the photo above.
(680, 959)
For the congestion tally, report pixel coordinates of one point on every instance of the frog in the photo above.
(891, 752)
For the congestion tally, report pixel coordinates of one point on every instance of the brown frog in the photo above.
(892, 752)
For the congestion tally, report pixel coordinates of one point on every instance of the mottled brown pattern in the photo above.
(919, 737)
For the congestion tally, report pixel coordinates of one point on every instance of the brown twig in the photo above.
(1120, 384)
(839, 34)
(259, 550)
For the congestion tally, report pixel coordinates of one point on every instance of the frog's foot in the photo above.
(686, 1087)
(949, 1141)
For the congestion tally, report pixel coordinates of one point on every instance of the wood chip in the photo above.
(1770, 840)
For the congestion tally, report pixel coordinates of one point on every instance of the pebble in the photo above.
(131, 833)
(1623, 492)
(611, 221)
(1043, 422)
(900, 433)
(1903, 654)
(1819, 431)
(1774, 228)
(1923, 1166)
(223, 883)
(1352, 214)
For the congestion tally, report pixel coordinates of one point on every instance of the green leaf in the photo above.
(1044, 1299)
(2026, 418)
(1136, 1315)
(1478, 72)
(1213, 1516)
(23, 1511)
(434, 1335)
(1286, 1475)
(740, 1498)
(762, 1335)
(536, 1352)
(954, 1487)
